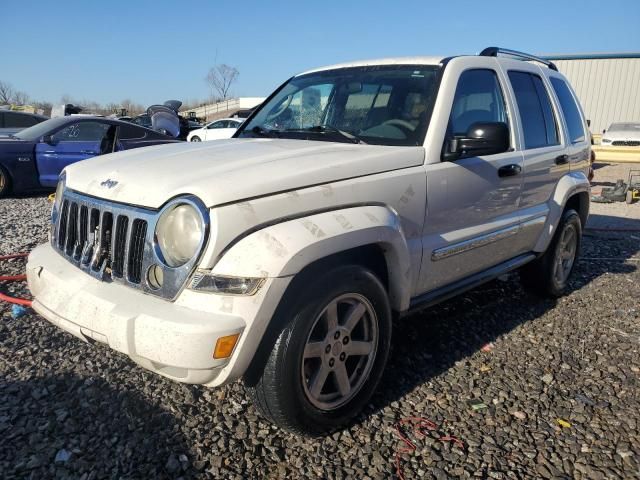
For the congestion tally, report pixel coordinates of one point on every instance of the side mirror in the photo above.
(482, 138)
(48, 139)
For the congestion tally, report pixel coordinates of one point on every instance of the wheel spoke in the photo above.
(342, 379)
(331, 315)
(354, 315)
(313, 350)
(359, 348)
(318, 380)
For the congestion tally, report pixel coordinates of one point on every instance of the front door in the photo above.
(75, 142)
(472, 220)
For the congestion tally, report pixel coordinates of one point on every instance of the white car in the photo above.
(355, 194)
(216, 130)
(624, 134)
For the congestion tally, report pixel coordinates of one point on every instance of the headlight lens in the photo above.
(59, 191)
(179, 232)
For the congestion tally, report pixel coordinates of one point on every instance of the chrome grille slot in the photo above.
(62, 226)
(119, 246)
(115, 242)
(72, 229)
(138, 234)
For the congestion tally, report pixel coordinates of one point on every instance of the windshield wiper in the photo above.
(262, 132)
(326, 128)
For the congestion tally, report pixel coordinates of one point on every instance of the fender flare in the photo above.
(569, 185)
(286, 248)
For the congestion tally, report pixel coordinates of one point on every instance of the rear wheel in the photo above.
(330, 354)
(549, 274)
(195, 138)
(5, 182)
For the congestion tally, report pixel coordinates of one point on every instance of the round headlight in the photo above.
(59, 191)
(179, 232)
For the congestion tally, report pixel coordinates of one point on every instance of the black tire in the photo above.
(195, 138)
(540, 276)
(280, 390)
(5, 182)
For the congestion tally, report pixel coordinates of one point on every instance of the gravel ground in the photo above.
(533, 389)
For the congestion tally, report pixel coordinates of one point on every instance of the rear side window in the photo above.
(570, 110)
(538, 123)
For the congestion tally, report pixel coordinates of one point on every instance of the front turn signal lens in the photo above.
(225, 345)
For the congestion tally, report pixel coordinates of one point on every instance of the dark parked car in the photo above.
(33, 158)
(12, 122)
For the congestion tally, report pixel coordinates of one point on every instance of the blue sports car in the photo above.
(33, 158)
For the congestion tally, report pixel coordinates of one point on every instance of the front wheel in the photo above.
(329, 355)
(5, 182)
(195, 138)
(549, 274)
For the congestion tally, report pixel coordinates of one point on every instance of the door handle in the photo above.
(88, 152)
(561, 159)
(509, 170)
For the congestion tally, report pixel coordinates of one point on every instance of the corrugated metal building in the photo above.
(608, 85)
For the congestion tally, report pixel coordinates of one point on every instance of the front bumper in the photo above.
(173, 339)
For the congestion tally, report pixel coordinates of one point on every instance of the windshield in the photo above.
(32, 134)
(382, 105)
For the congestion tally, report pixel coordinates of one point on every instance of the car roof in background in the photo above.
(36, 115)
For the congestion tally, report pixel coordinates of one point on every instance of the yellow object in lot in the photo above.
(617, 154)
(52, 197)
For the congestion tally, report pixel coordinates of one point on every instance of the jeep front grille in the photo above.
(87, 237)
(115, 242)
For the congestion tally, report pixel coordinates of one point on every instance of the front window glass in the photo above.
(478, 98)
(382, 105)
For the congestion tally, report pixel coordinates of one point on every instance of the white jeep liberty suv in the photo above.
(355, 193)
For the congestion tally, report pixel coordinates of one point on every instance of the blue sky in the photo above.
(150, 51)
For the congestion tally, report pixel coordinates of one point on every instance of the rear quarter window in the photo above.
(570, 110)
(536, 114)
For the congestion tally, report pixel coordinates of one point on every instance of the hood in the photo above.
(230, 170)
(616, 135)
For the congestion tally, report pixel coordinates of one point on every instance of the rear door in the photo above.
(546, 158)
(472, 220)
(578, 141)
(75, 142)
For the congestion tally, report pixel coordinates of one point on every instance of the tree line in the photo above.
(219, 79)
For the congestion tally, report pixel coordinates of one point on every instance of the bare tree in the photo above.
(6, 93)
(220, 78)
(20, 98)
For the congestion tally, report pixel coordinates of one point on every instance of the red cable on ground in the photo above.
(421, 426)
(14, 278)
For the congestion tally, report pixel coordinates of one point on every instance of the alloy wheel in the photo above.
(565, 254)
(340, 351)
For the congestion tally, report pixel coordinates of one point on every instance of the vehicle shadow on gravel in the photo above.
(67, 426)
(427, 343)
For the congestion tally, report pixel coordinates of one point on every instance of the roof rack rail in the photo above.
(494, 51)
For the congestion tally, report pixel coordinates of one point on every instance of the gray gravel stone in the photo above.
(575, 359)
